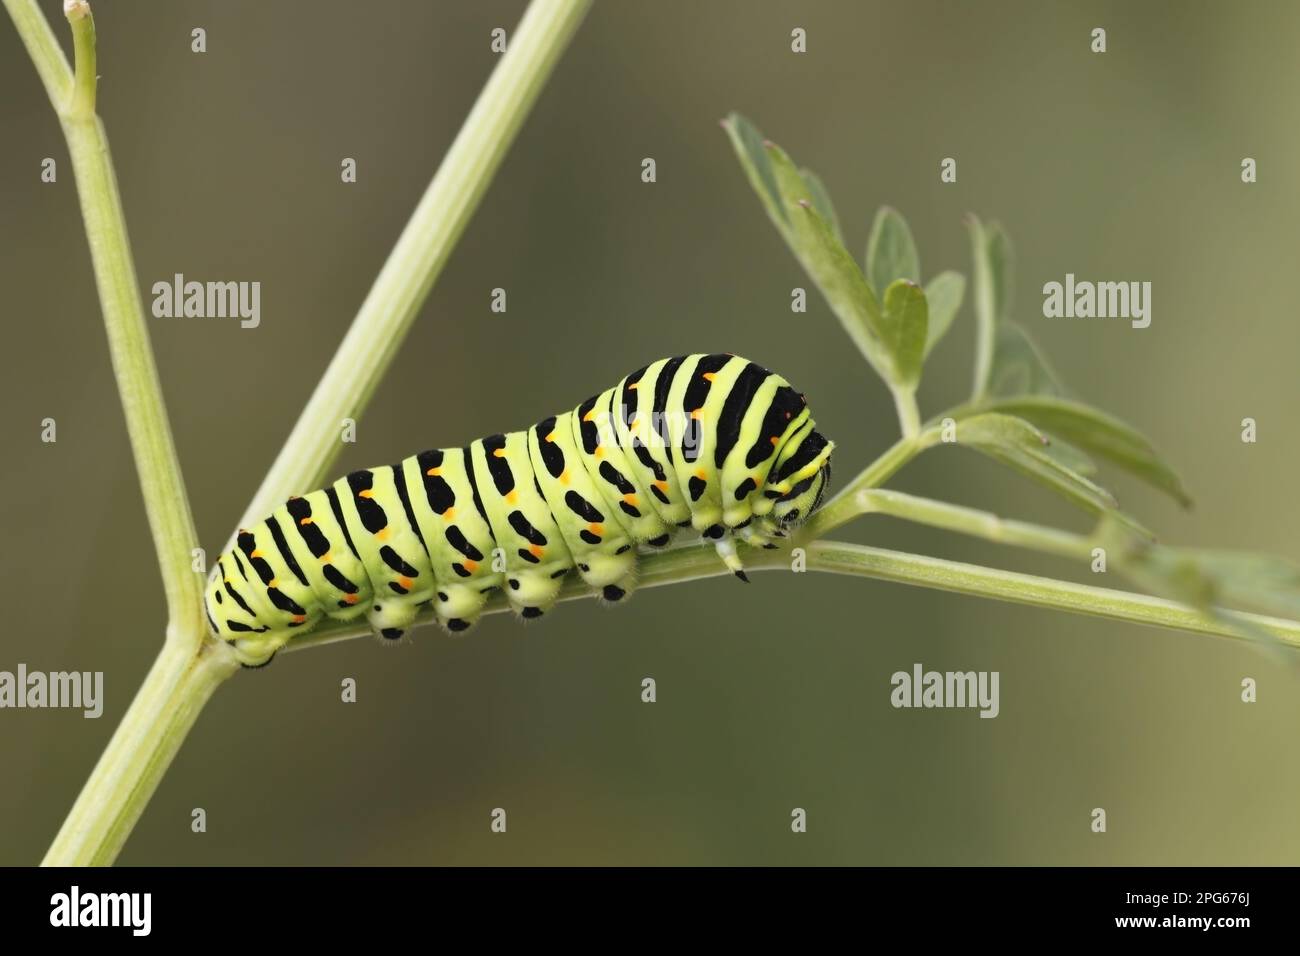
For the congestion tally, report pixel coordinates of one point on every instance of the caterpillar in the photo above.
(713, 443)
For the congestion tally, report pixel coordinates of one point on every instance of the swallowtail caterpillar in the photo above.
(713, 443)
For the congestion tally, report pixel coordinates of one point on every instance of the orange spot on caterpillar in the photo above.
(351, 598)
(273, 583)
(470, 566)
(710, 376)
(774, 439)
(551, 437)
(449, 514)
(255, 553)
(512, 496)
(630, 499)
(365, 493)
(307, 520)
(600, 451)
(633, 386)
(564, 477)
(326, 557)
(661, 485)
(595, 528)
(702, 474)
(381, 534)
(590, 416)
(697, 413)
(434, 472)
(407, 583)
(298, 618)
(498, 453)
(536, 550)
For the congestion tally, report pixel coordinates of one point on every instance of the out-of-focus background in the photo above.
(1122, 166)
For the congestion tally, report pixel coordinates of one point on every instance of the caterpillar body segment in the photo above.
(711, 443)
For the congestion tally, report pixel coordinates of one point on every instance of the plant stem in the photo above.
(1030, 589)
(909, 415)
(696, 562)
(166, 503)
(415, 262)
(979, 524)
(845, 506)
(42, 46)
(139, 753)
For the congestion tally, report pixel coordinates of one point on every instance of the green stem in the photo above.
(909, 415)
(139, 753)
(415, 262)
(1030, 589)
(979, 524)
(43, 47)
(696, 562)
(845, 506)
(166, 502)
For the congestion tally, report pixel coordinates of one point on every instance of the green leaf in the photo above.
(991, 254)
(1019, 445)
(1001, 261)
(812, 238)
(748, 143)
(1208, 580)
(1264, 581)
(821, 200)
(1019, 366)
(1099, 433)
(891, 252)
(1072, 457)
(943, 295)
(904, 319)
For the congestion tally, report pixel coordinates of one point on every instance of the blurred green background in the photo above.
(1122, 166)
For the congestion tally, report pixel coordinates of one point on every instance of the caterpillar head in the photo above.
(802, 475)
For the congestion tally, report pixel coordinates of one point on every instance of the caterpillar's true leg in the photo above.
(726, 547)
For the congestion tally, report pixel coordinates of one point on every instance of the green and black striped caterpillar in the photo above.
(709, 442)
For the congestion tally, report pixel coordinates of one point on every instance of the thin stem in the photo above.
(909, 415)
(139, 753)
(415, 262)
(845, 506)
(84, 80)
(166, 502)
(697, 562)
(43, 47)
(979, 524)
(972, 579)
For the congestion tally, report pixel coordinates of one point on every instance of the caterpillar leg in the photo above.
(390, 619)
(459, 606)
(611, 575)
(532, 593)
(726, 547)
